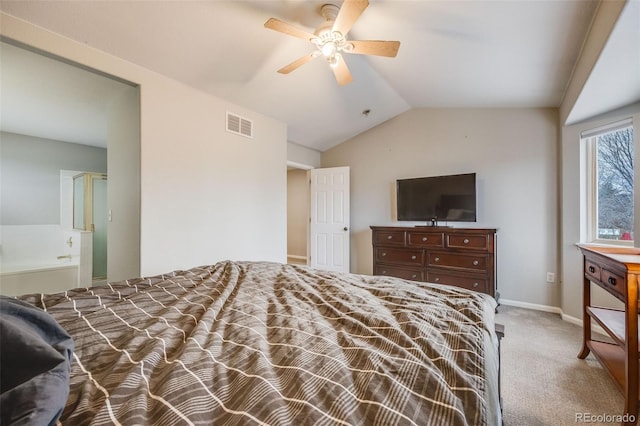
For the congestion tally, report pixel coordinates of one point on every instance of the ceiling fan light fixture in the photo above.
(333, 61)
(329, 49)
(330, 39)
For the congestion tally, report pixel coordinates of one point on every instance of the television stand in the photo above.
(463, 257)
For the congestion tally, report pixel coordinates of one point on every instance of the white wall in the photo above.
(302, 156)
(513, 152)
(206, 194)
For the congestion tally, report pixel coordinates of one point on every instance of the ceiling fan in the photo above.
(330, 39)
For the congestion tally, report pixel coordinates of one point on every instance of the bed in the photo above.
(271, 344)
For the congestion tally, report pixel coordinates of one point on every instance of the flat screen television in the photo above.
(449, 198)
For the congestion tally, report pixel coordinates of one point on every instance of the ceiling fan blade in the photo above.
(342, 73)
(375, 47)
(297, 63)
(286, 28)
(348, 14)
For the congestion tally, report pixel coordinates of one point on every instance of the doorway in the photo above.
(318, 216)
(297, 214)
(61, 105)
(329, 219)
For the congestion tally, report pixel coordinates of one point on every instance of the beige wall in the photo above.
(513, 152)
(297, 212)
(206, 194)
(573, 207)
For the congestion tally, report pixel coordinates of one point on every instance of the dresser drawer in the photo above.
(399, 255)
(463, 257)
(405, 273)
(592, 271)
(467, 241)
(389, 238)
(425, 239)
(477, 263)
(471, 283)
(614, 283)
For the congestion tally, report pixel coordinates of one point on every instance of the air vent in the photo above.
(239, 125)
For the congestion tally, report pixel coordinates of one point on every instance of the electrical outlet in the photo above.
(551, 277)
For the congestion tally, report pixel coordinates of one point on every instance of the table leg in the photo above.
(586, 319)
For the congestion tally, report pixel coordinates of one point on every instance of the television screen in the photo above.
(446, 198)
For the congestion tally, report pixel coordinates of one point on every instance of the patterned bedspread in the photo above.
(272, 344)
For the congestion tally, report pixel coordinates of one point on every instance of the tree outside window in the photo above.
(614, 164)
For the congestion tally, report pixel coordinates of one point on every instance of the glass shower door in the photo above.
(100, 218)
(90, 213)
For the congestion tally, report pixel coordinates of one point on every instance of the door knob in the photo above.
(345, 228)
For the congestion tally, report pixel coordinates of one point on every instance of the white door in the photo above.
(329, 228)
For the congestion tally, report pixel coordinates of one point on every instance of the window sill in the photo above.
(611, 243)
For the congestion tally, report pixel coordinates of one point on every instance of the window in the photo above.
(610, 184)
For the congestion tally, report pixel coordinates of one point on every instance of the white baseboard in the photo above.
(297, 257)
(553, 309)
(534, 306)
(577, 321)
(571, 319)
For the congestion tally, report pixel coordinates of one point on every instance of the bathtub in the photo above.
(38, 277)
(43, 259)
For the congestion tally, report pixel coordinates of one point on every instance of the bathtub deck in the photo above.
(16, 280)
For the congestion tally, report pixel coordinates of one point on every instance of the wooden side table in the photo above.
(616, 270)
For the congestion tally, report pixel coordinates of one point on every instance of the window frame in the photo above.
(590, 137)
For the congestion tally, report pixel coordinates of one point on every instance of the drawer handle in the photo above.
(476, 263)
(612, 281)
(466, 241)
(437, 279)
(413, 257)
(384, 254)
(475, 285)
(437, 259)
(592, 269)
(424, 238)
(384, 272)
(389, 237)
(414, 276)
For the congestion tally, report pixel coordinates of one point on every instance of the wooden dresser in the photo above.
(616, 270)
(464, 257)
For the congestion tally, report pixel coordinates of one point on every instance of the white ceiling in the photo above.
(517, 53)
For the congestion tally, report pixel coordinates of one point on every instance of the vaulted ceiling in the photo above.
(453, 54)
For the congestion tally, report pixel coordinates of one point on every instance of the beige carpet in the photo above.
(543, 381)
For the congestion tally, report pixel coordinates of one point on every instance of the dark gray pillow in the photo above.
(35, 364)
